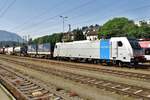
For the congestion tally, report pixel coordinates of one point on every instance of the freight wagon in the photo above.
(117, 50)
(32, 50)
(41, 50)
(45, 50)
(9, 50)
(20, 50)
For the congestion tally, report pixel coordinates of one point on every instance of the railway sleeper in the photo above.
(20, 95)
(26, 86)
(30, 88)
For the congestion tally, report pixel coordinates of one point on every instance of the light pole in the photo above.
(63, 18)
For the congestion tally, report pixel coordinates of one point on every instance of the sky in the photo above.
(42, 17)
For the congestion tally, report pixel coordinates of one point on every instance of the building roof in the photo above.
(92, 33)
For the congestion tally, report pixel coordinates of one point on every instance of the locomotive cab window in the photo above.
(134, 44)
(120, 44)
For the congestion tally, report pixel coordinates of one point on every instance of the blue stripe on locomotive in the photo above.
(104, 49)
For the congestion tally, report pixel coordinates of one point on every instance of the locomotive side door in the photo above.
(56, 51)
(114, 49)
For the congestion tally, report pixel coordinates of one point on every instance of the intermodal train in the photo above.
(116, 50)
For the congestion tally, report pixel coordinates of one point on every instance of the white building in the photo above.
(92, 35)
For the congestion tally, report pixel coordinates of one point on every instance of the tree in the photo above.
(54, 38)
(30, 41)
(118, 27)
(97, 26)
(144, 30)
(84, 28)
(78, 35)
(131, 30)
(91, 26)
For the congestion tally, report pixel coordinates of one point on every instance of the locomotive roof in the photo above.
(85, 41)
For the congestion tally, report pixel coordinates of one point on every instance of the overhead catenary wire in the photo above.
(38, 24)
(145, 6)
(55, 16)
(120, 12)
(77, 16)
(81, 15)
(38, 15)
(8, 7)
(3, 5)
(74, 17)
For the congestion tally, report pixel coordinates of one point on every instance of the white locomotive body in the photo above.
(78, 49)
(117, 49)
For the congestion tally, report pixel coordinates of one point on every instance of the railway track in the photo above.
(120, 88)
(25, 88)
(145, 77)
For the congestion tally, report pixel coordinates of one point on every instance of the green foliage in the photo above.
(56, 37)
(116, 27)
(144, 30)
(125, 27)
(78, 35)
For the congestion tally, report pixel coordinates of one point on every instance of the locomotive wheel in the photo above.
(120, 64)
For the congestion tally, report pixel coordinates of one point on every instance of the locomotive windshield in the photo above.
(134, 44)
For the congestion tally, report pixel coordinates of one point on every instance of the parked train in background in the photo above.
(2, 50)
(7, 50)
(20, 50)
(116, 50)
(145, 44)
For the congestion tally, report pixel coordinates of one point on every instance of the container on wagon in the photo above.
(45, 50)
(32, 49)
